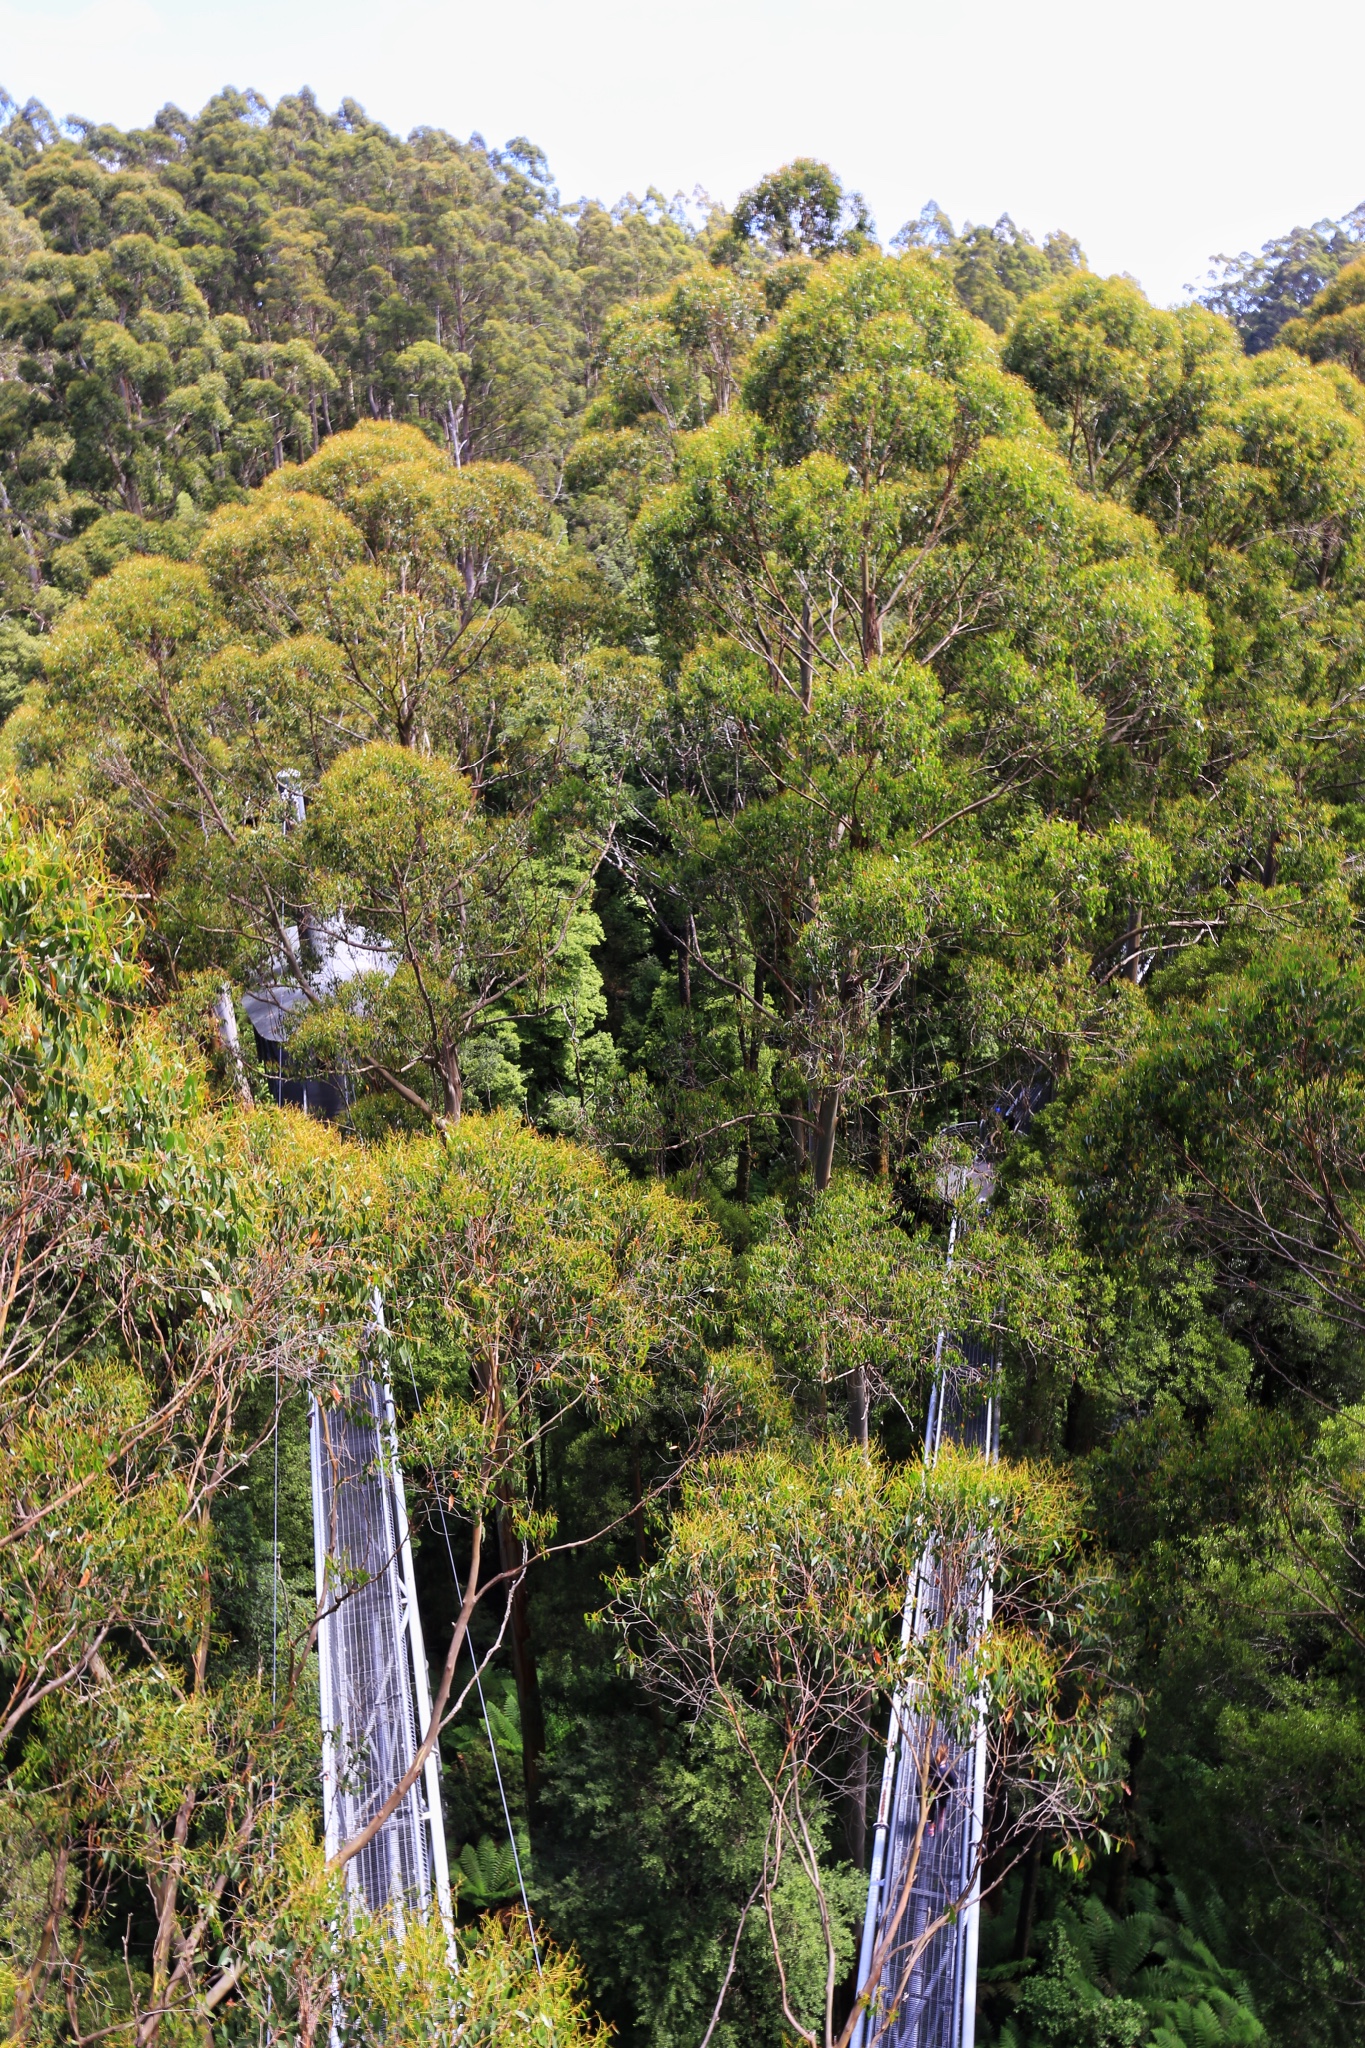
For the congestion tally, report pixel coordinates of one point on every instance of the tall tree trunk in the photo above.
(1074, 1429)
(167, 1893)
(881, 1109)
(637, 1502)
(858, 1406)
(750, 1043)
(856, 1823)
(1121, 1864)
(26, 1997)
(1028, 1901)
(871, 621)
(35, 568)
(452, 1083)
(685, 1150)
(530, 1710)
(689, 1069)
(806, 658)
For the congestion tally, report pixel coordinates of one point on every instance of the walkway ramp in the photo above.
(928, 2000)
(376, 1699)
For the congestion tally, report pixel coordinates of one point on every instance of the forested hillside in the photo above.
(779, 718)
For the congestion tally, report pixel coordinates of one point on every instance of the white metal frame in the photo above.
(375, 1693)
(926, 2023)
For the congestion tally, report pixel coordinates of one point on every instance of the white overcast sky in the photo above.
(1156, 134)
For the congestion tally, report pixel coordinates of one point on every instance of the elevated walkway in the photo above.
(376, 1699)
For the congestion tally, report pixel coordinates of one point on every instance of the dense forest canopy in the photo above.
(773, 721)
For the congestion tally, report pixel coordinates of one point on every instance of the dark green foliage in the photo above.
(802, 210)
(994, 269)
(653, 1835)
(1260, 292)
(207, 298)
(802, 721)
(1144, 1978)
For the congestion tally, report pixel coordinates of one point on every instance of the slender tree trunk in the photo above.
(686, 1152)
(856, 1829)
(807, 655)
(637, 1509)
(751, 1042)
(35, 569)
(26, 1997)
(826, 1124)
(1116, 1889)
(871, 623)
(882, 1106)
(1268, 867)
(689, 1069)
(167, 1895)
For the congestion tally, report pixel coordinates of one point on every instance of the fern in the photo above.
(486, 1873)
(1144, 1980)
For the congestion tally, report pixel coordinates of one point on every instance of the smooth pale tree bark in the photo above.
(226, 1017)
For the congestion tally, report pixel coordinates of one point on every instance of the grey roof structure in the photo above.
(341, 952)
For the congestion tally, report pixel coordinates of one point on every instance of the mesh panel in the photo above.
(930, 2005)
(370, 1722)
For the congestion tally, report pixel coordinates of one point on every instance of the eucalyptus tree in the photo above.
(537, 1287)
(189, 305)
(1254, 474)
(1331, 329)
(1259, 291)
(776, 1610)
(176, 1281)
(369, 642)
(1125, 383)
(908, 648)
(994, 269)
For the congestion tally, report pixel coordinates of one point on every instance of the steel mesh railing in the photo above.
(372, 1664)
(925, 1995)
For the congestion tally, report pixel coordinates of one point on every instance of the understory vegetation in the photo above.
(739, 749)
